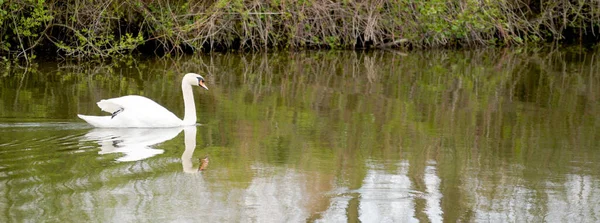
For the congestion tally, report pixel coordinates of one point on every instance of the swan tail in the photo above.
(97, 121)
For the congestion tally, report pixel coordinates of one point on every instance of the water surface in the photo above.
(492, 135)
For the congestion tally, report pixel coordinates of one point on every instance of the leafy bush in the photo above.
(103, 28)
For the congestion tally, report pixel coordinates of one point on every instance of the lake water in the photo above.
(328, 136)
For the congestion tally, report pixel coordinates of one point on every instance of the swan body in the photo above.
(134, 111)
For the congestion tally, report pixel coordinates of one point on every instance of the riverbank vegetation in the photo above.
(105, 28)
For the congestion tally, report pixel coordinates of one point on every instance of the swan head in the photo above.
(195, 80)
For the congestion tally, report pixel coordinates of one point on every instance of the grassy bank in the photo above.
(104, 28)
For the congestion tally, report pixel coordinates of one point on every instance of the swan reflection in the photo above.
(135, 143)
(190, 145)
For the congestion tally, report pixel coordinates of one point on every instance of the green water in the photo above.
(492, 135)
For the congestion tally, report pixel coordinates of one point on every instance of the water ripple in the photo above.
(37, 125)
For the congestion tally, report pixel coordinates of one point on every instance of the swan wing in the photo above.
(110, 105)
(139, 111)
(134, 102)
(133, 111)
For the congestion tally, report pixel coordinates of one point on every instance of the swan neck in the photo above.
(189, 118)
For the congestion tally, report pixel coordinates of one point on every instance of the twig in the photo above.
(20, 41)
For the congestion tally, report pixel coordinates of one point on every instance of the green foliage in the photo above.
(109, 28)
(21, 23)
(38, 15)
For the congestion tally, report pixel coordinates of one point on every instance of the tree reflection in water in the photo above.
(483, 135)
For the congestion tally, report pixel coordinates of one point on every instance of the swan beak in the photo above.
(201, 83)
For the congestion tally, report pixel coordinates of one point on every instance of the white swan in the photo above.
(135, 111)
